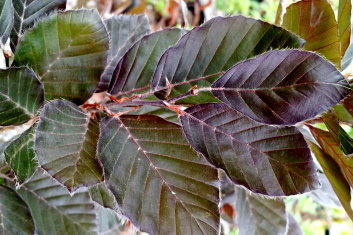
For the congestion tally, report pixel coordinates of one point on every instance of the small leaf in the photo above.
(270, 160)
(21, 95)
(332, 147)
(6, 19)
(26, 13)
(159, 182)
(282, 87)
(135, 70)
(124, 31)
(54, 210)
(346, 141)
(68, 50)
(258, 215)
(66, 141)
(344, 23)
(103, 196)
(314, 20)
(20, 155)
(15, 217)
(333, 172)
(206, 51)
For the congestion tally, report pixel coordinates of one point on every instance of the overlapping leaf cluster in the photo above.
(236, 89)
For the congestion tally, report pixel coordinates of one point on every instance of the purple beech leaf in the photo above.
(15, 217)
(54, 209)
(314, 20)
(65, 145)
(282, 87)
(160, 183)
(344, 24)
(68, 50)
(206, 51)
(259, 215)
(270, 160)
(27, 12)
(135, 69)
(293, 227)
(124, 31)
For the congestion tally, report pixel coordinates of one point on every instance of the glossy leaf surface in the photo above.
(27, 12)
(180, 190)
(213, 48)
(258, 215)
(65, 144)
(20, 155)
(21, 95)
(135, 69)
(6, 19)
(15, 217)
(68, 50)
(282, 87)
(124, 31)
(314, 20)
(333, 172)
(270, 160)
(54, 210)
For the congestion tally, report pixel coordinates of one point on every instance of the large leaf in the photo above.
(344, 23)
(314, 20)
(271, 160)
(124, 31)
(333, 172)
(258, 215)
(27, 12)
(66, 140)
(6, 19)
(135, 69)
(331, 146)
(20, 155)
(68, 51)
(54, 210)
(282, 87)
(213, 48)
(14, 214)
(159, 182)
(21, 95)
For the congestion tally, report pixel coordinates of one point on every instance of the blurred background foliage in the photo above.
(311, 212)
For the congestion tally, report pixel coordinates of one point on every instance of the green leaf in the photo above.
(135, 70)
(270, 160)
(6, 19)
(54, 210)
(346, 141)
(21, 95)
(258, 215)
(103, 196)
(333, 172)
(68, 50)
(66, 141)
(20, 155)
(27, 12)
(206, 51)
(109, 223)
(159, 182)
(344, 24)
(282, 87)
(124, 31)
(330, 146)
(314, 20)
(14, 214)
